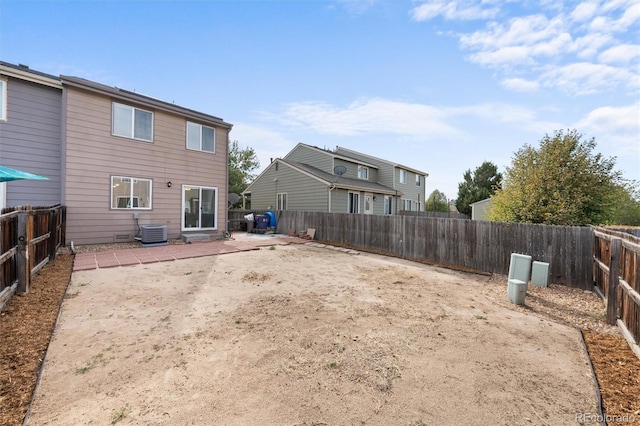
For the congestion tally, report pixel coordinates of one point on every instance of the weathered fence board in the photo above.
(479, 245)
(617, 277)
(29, 239)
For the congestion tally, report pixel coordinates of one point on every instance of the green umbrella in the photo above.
(7, 174)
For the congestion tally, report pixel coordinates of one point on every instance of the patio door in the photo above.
(199, 207)
(368, 203)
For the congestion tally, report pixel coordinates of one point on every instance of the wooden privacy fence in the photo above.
(616, 271)
(476, 245)
(29, 239)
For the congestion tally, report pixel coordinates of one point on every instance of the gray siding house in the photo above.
(31, 135)
(342, 181)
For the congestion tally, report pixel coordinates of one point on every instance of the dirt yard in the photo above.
(304, 335)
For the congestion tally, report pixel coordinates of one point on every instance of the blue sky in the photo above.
(437, 85)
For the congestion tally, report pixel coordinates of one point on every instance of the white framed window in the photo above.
(388, 206)
(363, 172)
(281, 201)
(130, 122)
(403, 176)
(200, 204)
(201, 138)
(3, 100)
(354, 202)
(406, 204)
(417, 180)
(130, 193)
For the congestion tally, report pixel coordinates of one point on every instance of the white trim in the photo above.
(201, 130)
(363, 169)
(281, 201)
(349, 205)
(29, 75)
(215, 208)
(131, 194)
(133, 122)
(403, 176)
(3, 99)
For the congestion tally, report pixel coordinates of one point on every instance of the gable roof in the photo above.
(334, 155)
(141, 99)
(23, 72)
(329, 179)
(384, 161)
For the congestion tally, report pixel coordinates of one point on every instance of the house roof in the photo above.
(385, 161)
(477, 203)
(23, 72)
(330, 179)
(335, 155)
(142, 99)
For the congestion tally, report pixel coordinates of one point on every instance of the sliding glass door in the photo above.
(200, 204)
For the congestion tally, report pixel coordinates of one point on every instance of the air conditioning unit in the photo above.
(153, 234)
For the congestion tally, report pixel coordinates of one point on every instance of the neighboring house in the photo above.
(479, 209)
(130, 155)
(31, 135)
(341, 181)
(118, 159)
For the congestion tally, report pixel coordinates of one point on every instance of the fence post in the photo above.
(52, 243)
(614, 272)
(23, 259)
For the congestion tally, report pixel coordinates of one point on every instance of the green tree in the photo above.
(242, 163)
(560, 183)
(480, 185)
(437, 202)
(627, 207)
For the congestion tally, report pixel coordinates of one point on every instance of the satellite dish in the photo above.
(339, 170)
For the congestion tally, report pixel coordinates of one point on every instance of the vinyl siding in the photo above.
(410, 190)
(313, 157)
(303, 192)
(30, 140)
(384, 174)
(94, 155)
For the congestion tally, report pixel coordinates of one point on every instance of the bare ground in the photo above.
(307, 335)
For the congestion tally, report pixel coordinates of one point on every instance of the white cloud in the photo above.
(521, 41)
(584, 11)
(622, 53)
(367, 116)
(581, 49)
(520, 85)
(621, 120)
(586, 78)
(453, 10)
(267, 143)
(617, 129)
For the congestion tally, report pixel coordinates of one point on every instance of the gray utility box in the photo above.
(540, 274)
(519, 270)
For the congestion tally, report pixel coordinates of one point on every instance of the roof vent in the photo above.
(23, 66)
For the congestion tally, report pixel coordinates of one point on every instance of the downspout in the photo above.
(331, 188)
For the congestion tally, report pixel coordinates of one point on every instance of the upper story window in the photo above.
(403, 176)
(417, 180)
(130, 193)
(130, 122)
(363, 172)
(3, 100)
(201, 138)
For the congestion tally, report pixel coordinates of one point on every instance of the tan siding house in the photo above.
(133, 160)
